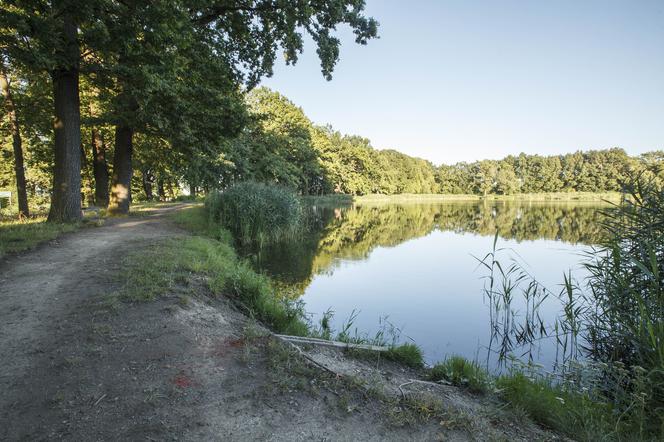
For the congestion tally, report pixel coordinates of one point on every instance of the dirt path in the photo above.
(74, 366)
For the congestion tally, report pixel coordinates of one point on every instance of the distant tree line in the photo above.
(282, 145)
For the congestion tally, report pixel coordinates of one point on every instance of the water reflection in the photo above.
(414, 262)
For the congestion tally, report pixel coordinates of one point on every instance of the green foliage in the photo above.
(256, 213)
(462, 372)
(627, 282)
(407, 354)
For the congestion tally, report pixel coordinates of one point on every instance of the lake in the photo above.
(418, 265)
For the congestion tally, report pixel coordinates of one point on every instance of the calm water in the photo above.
(415, 264)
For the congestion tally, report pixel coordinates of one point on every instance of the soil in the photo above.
(76, 365)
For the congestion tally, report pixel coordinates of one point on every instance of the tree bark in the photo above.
(19, 169)
(100, 168)
(146, 180)
(122, 171)
(66, 198)
(161, 192)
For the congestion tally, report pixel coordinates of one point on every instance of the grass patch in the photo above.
(257, 213)
(461, 372)
(169, 265)
(407, 354)
(573, 414)
(336, 199)
(19, 235)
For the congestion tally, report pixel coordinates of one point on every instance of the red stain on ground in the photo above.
(222, 348)
(183, 381)
(235, 343)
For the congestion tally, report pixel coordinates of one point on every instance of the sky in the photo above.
(465, 80)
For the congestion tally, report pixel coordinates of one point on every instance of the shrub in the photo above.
(256, 213)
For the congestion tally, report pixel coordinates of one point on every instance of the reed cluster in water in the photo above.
(610, 333)
(256, 213)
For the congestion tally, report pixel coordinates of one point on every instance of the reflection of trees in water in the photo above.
(352, 233)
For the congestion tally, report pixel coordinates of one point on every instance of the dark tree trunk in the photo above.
(19, 169)
(192, 190)
(66, 198)
(146, 179)
(160, 189)
(122, 171)
(100, 168)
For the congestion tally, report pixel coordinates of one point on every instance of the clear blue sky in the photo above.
(463, 80)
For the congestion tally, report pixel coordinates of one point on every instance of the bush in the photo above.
(257, 213)
(462, 372)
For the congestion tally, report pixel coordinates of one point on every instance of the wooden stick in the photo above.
(337, 344)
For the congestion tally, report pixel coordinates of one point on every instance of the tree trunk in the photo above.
(192, 190)
(171, 192)
(19, 169)
(122, 171)
(100, 168)
(66, 198)
(160, 189)
(146, 179)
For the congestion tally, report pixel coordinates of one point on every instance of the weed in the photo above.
(461, 372)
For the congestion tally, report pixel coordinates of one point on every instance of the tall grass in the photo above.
(610, 330)
(257, 213)
(461, 372)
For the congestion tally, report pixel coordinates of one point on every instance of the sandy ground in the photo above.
(76, 366)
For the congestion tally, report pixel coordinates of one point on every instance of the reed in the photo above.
(610, 330)
(257, 213)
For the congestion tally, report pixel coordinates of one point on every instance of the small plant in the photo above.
(257, 213)
(462, 372)
(407, 354)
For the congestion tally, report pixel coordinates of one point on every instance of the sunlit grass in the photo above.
(19, 235)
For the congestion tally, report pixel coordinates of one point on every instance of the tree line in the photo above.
(109, 101)
(282, 145)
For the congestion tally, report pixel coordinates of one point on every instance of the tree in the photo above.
(46, 37)
(15, 128)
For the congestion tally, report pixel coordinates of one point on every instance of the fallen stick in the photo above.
(337, 344)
